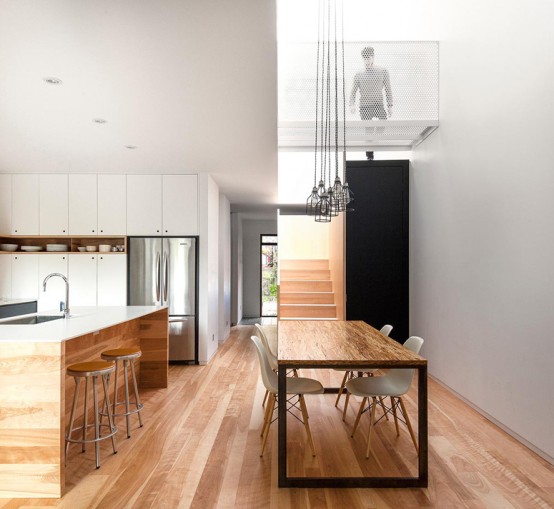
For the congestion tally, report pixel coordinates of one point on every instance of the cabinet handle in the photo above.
(15, 231)
(63, 231)
(157, 231)
(101, 231)
(92, 231)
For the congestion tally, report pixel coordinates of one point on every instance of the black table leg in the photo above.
(422, 428)
(282, 427)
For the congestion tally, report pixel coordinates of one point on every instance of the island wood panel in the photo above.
(318, 342)
(89, 348)
(31, 419)
(154, 343)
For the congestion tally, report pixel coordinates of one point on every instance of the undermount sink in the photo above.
(31, 320)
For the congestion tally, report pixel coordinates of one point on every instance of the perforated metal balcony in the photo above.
(404, 75)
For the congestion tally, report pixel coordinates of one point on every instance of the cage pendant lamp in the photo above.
(330, 196)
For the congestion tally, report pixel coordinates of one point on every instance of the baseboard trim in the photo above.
(503, 427)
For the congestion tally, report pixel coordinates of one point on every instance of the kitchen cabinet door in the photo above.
(5, 276)
(25, 204)
(180, 205)
(83, 205)
(5, 203)
(25, 276)
(54, 204)
(82, 280)
(144, 204)
(112, 280)
(112, 204)
(50, 299)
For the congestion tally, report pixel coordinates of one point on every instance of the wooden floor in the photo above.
(200, 444)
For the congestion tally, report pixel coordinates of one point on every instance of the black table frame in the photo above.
(354, 482)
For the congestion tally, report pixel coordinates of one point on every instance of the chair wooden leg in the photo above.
(393, 406)
(271, 407)
(382, 403)
(342, 387)
(345, 406)
(409, 424)
(306, 423)
(358, 416)
(265, 398)
(266, 413)
(371, 421)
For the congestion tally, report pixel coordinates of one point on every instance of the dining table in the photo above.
(356, 346)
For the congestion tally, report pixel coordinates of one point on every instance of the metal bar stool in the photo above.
(128, 356)
(92, 370)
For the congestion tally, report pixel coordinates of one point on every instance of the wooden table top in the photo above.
(338, 343)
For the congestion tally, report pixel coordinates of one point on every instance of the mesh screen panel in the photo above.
(391, 103)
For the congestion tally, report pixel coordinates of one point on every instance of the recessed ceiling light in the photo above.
(53, 81)
(132, 147)
(100, 120)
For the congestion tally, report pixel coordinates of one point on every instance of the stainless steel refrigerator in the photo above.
(163, 271)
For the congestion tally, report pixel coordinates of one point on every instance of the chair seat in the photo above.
(90, 368)
(122, 353)
(299, 385)
(375, 386)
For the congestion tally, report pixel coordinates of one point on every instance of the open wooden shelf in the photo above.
(73, 242)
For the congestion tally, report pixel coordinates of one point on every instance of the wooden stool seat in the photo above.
(127, 356)
(88, 370)
(121, 353)
(93, 368)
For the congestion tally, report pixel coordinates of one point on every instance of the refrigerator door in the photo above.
(181, 338)
(145, 264)
(179, 275)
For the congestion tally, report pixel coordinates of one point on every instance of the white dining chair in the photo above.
(394, 385)
(298, 386)
(349, 375)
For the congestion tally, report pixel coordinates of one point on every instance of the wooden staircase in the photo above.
(306, 290)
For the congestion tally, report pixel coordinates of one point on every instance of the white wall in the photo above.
(236, 268)
(252, 229)
(208, 298)
(224, 268)
(482, 241)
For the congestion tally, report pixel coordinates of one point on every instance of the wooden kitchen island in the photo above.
(36, 394)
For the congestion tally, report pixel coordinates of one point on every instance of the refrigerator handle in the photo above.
(158, 277)
(166, 276)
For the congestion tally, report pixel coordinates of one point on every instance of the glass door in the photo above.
(268, 273)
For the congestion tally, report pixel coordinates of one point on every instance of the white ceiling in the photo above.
(191, 84)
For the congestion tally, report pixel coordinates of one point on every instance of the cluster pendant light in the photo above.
(329, 197)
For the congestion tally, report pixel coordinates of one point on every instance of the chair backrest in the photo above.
(403, 377)
(269, 377)
(386, 329)
(271, 358)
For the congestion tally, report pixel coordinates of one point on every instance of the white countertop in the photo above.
(83, 320)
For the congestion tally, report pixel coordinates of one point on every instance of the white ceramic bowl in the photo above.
(104, 248)
(57, 247)
(81, 249)
(9, 247)
(91, 249)
(31, 249)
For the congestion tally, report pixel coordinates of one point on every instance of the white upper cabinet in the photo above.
(82, 280)
(50, 299)
(5, 276)
(5, 203)
(53, 204)
(144, 204)
(112, 205)
(180, 205)
(25, 276)
(83, 213)
(25, 204)
(112, 280)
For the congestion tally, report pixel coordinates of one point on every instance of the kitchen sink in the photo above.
(31, 320)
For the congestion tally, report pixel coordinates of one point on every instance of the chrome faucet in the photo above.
(66, 305)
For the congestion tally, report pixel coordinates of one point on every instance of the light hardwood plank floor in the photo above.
(200, 444)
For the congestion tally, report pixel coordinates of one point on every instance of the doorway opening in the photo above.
(268, 275)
